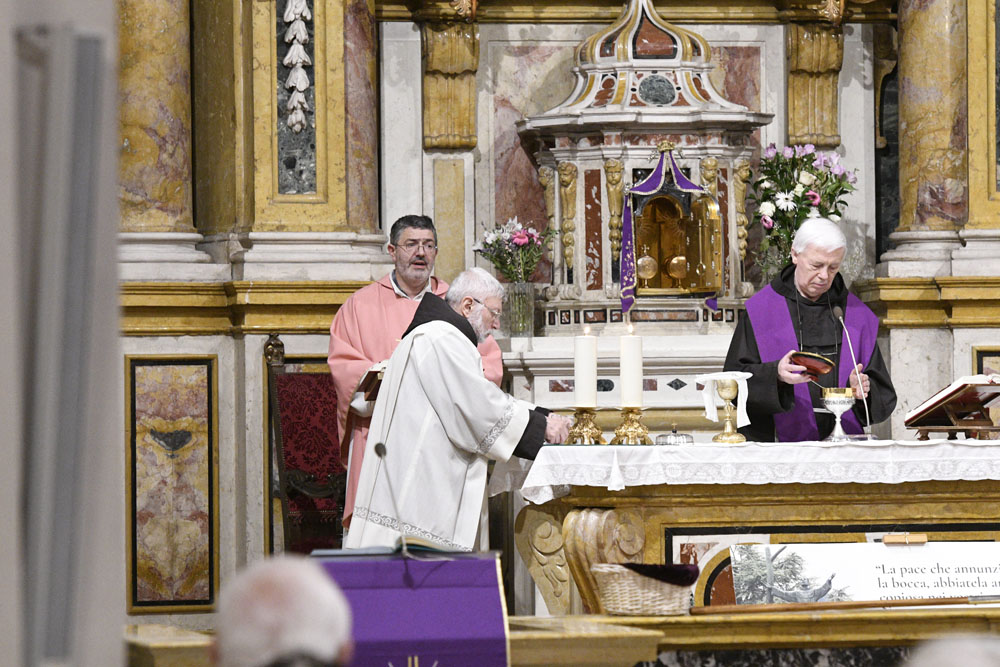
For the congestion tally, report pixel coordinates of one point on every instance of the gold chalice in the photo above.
(838, 400)
(727, 390)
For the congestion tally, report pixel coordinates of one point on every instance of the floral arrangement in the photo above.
(795, 183)
(513, 249)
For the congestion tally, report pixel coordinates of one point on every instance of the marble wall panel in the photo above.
(799, 657)
(401, 143)
(173, 496)
(593, 242)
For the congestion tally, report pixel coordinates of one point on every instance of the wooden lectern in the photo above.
(959, 407)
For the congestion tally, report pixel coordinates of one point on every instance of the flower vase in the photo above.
(519, 311)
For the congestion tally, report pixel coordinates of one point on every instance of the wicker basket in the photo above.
(627, 593)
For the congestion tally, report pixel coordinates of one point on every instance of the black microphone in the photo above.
(380, 452)
(838, 312)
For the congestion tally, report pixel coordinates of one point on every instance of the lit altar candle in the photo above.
(585, 370)
(631, 370)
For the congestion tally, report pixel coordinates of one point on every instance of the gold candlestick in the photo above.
(631, 431)
(727, 390)
(584, 431)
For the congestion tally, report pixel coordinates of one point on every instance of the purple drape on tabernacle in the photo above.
(650, 184)
(444, 612)
(768, 311)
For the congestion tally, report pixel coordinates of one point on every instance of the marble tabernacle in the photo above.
(643, 88)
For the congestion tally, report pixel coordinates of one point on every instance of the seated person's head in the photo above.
(282, 612)
(478, 297)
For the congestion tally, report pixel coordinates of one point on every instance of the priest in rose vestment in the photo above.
(797, 311)
(441, 421)
(371, 323)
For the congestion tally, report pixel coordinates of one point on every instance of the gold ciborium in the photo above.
(727, 390)
(838, 400)
(631, 431)
(584, 431)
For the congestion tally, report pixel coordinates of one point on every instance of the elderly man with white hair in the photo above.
(801, 310)
(285, 611)
(440, 419)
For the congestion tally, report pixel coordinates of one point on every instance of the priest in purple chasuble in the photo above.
(441, 419)
(798, 311)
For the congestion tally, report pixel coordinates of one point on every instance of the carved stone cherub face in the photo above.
(567, 173)
(613, 172)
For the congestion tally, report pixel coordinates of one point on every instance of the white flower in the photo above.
(766, 185)
(490, 238)
(766, 208)
(813, 212)
(834, 217)
(784, 201)
(806, 178)
(799, 189)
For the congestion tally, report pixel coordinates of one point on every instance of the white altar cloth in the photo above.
(615, 467)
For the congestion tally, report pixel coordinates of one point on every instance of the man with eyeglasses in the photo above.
(441, 420)
(371, 323)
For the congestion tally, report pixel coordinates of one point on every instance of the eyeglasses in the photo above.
(412, 245)
(494, 313)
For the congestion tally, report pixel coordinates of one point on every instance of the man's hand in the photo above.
(790, 373)
(860, 383)
(557, 428)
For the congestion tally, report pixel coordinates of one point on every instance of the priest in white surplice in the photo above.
(440, 420)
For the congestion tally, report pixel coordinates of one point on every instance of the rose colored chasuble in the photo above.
(772, 325)
(365, 331)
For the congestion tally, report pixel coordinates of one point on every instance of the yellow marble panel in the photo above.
(449, 217)
(173, 533)
(984, 199)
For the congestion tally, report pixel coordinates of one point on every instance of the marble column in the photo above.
(362, 112)
(932, 138)
(155, 182)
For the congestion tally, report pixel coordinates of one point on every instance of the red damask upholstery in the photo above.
(307, 407)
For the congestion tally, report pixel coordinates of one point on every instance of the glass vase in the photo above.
(519, 310)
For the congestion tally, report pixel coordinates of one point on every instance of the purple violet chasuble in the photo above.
(768, 312)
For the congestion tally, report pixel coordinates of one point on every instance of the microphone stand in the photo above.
(839, 314)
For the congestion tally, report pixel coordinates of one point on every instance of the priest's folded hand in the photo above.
(860, 391)
(557, 428)
(790, 373)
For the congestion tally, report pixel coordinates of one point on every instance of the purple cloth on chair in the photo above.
(772, 325)
(448, 613)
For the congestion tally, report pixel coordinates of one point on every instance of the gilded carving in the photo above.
(451, 58)
(885, 61)
(815, 56)
(539, 541)
(595, 536)
(567, 206)
(710, 175)
(465, 8)
(613, 170)
(547, 178)
(740, 194)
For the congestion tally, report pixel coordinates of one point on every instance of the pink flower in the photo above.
(788, 152)
(770, 151)
(520, 238)
(837, 170)
(818, 162)
(852, 177)
(813, 197)
(808, 149)
(767, 222)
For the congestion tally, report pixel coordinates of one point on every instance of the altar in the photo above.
(689, 504)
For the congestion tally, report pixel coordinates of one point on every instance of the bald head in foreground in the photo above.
(285, 611)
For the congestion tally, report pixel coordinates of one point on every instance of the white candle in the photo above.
(585, 370)
(631, 370)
